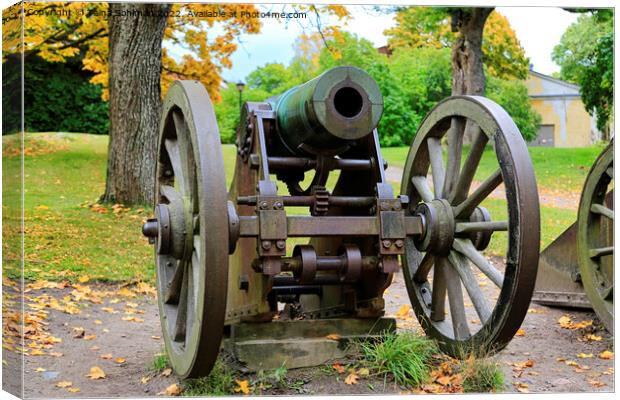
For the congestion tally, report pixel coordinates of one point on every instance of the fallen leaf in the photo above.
(172, 390)
(145, 379)
(565, 321)
(94, 348)
(109, 310)
(96, 373)
(134, 319)
(363, 372)
(97, 322)
(443, 380)
(55, 354)
(595, 383)
(36, 352)
(593, 338)
(351, 379)
(166, 372)
(403, 311)
(583, 355)
(107, 356)
(521, 387)
(606, 355)
(78, 332)
(338, 367)
(242, 386)
(73, 390)
(333, 336)
(520, 332)
(39, 369)
(83, 279)
(119, 360)
(155, 337)
(90, 337)
(64, 384)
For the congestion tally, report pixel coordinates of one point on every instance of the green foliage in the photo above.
(585, 56)
(220, 382)
(160, 362)
(512, 96)
(57, 97)
(406, 357)
(481, 375)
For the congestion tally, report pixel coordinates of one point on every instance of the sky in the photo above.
(538, 29)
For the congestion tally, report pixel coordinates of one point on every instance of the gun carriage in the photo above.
(311, 221)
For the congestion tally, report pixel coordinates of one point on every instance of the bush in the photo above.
(58, 97)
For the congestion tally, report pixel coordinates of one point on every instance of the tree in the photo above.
(476, 35)
(585, 57)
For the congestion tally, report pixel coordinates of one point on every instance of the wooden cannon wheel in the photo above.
(192, 238)
(449, 256)
(595, 246)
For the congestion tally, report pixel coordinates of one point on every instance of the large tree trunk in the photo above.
(135, 100)
(467, 72)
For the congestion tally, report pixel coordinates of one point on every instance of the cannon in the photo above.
(310, 233)
(576, 269)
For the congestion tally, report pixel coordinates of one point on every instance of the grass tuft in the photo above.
(407, 357)
(220, 382)
(160, 362)
(481, 375)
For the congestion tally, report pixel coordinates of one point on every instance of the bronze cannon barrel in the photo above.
(341, 105)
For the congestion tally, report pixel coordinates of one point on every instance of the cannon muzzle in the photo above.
(326, 113)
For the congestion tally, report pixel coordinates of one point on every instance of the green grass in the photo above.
(563, 169)
(405, 357)
(481, 375)
(220, 382)
(160, 362)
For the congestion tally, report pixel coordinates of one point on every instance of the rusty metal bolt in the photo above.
(266, 244)
(263, 205)
(399, 243)
(387, 243)
(281, 244)
(277, 205)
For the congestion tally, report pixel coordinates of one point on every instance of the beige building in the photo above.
(565, 121)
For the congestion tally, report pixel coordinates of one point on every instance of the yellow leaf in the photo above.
(593, 338)
(78, 332)
(55, 354)
(583, 355)
(403, 311)
(520, 332)
(242, 386)
(96, 373)
(351, 379)
(363, 372)
(172, 390)
(443, 380)
(97, 322)
(64, 384)
(107, 356)
(36, 352)
(119, 360)
(73, 390)
(333, 336)
(166, 372)
(40, 369)
(90, 337)
(83, 279)
(145, 379)
(565, 321)
(606, 355)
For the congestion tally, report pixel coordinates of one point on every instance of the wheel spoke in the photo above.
(471, 285)
(469, 167)
(455, 299)
(455, 148)
(187, 160)
(174, 153)
(180, 325)
(601, 251)
(437, 169)
(483, 226)
(438, 295)
(421, 274)
(483, 191)
(422, 188)
(466, 247)
(602, 210)
(610, 172)
(173, 288)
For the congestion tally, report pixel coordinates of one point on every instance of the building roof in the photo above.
(541, 85)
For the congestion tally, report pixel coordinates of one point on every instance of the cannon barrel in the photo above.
(341, 105)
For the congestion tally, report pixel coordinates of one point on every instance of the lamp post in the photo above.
(240, 87)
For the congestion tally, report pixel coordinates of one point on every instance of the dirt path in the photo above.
(128, 327)
(548, 198)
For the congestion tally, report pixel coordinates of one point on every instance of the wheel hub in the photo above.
(439, 224)
(169, 228)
